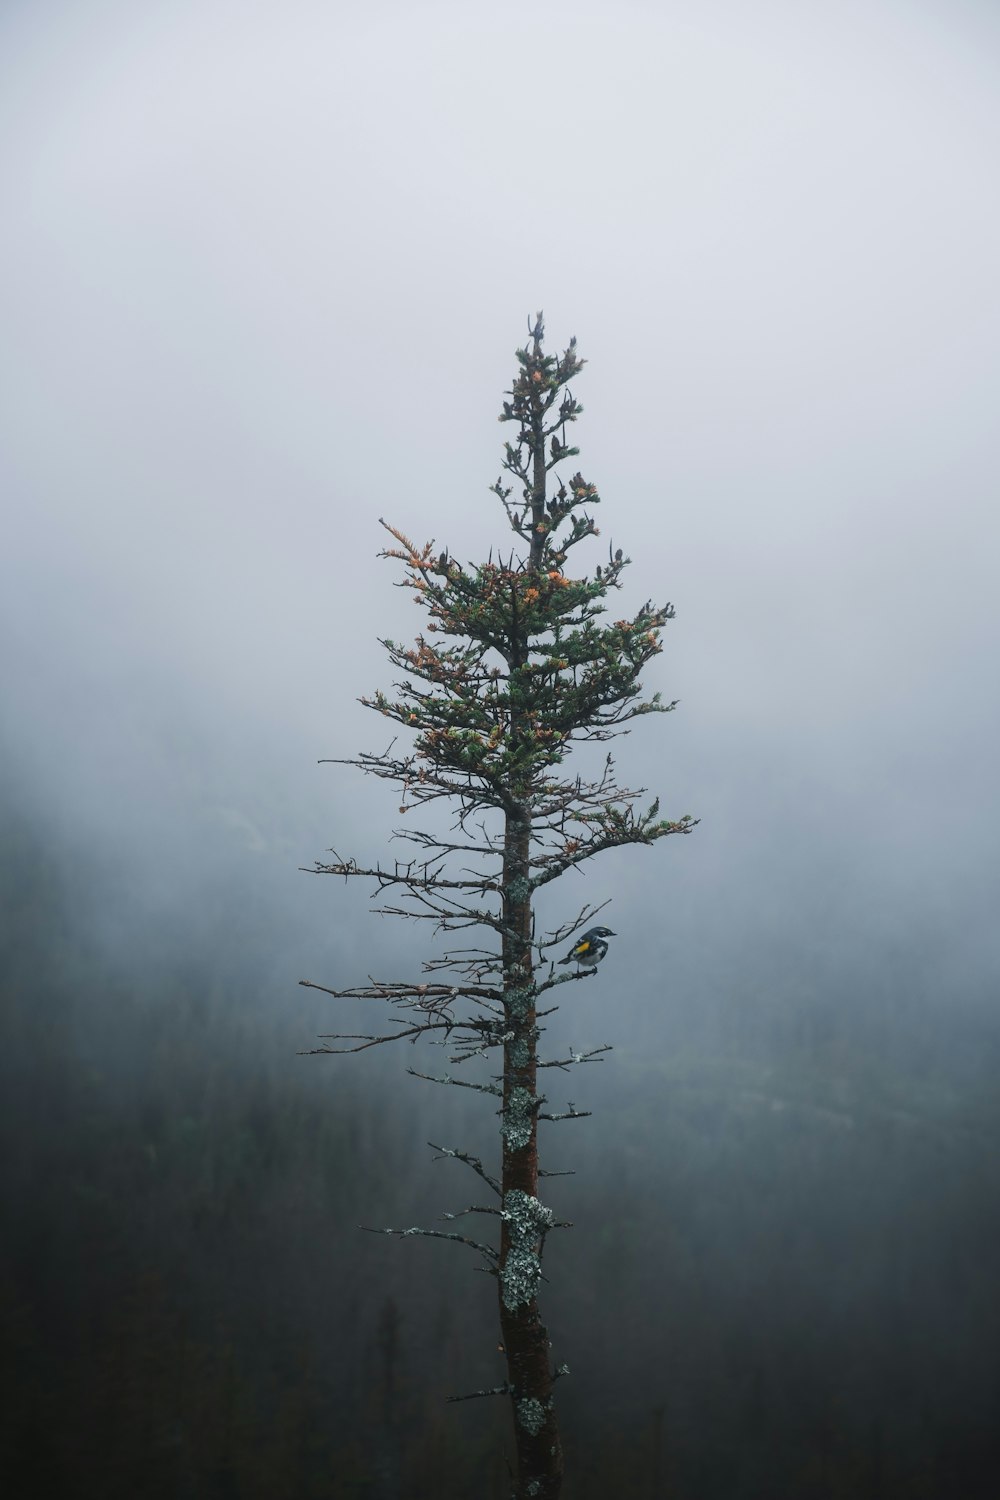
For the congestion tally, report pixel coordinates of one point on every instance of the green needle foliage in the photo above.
(514, 666)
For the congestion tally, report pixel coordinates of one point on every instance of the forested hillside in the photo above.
(782, 1275)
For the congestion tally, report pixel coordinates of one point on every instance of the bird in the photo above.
(591, 948)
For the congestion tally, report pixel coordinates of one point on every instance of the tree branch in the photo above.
(436, 1234)
(470, 1161)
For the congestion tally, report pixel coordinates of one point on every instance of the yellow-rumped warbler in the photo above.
(591, 948)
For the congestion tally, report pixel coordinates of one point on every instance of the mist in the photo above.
(263, 273)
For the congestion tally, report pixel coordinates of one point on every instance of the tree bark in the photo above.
(525, 1337)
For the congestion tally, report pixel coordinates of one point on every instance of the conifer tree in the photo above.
(514, 667)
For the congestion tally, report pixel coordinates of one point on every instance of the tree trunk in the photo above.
(525, 1337)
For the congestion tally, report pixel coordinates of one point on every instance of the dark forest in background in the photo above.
(782, 1278)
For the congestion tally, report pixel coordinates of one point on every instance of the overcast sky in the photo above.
(262, 274)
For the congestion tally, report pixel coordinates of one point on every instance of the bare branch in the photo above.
(458, 1083)
(366, 1040)
(558, 935)
(400, 989)
(437, 1234)
(495, 1390)
(567, 978)
(470, 1161)
(578, 1057)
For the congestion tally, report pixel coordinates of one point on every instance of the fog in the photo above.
(263, 272)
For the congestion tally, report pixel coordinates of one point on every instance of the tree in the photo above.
(513, 670)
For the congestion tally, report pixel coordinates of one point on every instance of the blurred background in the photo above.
(263, 272)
